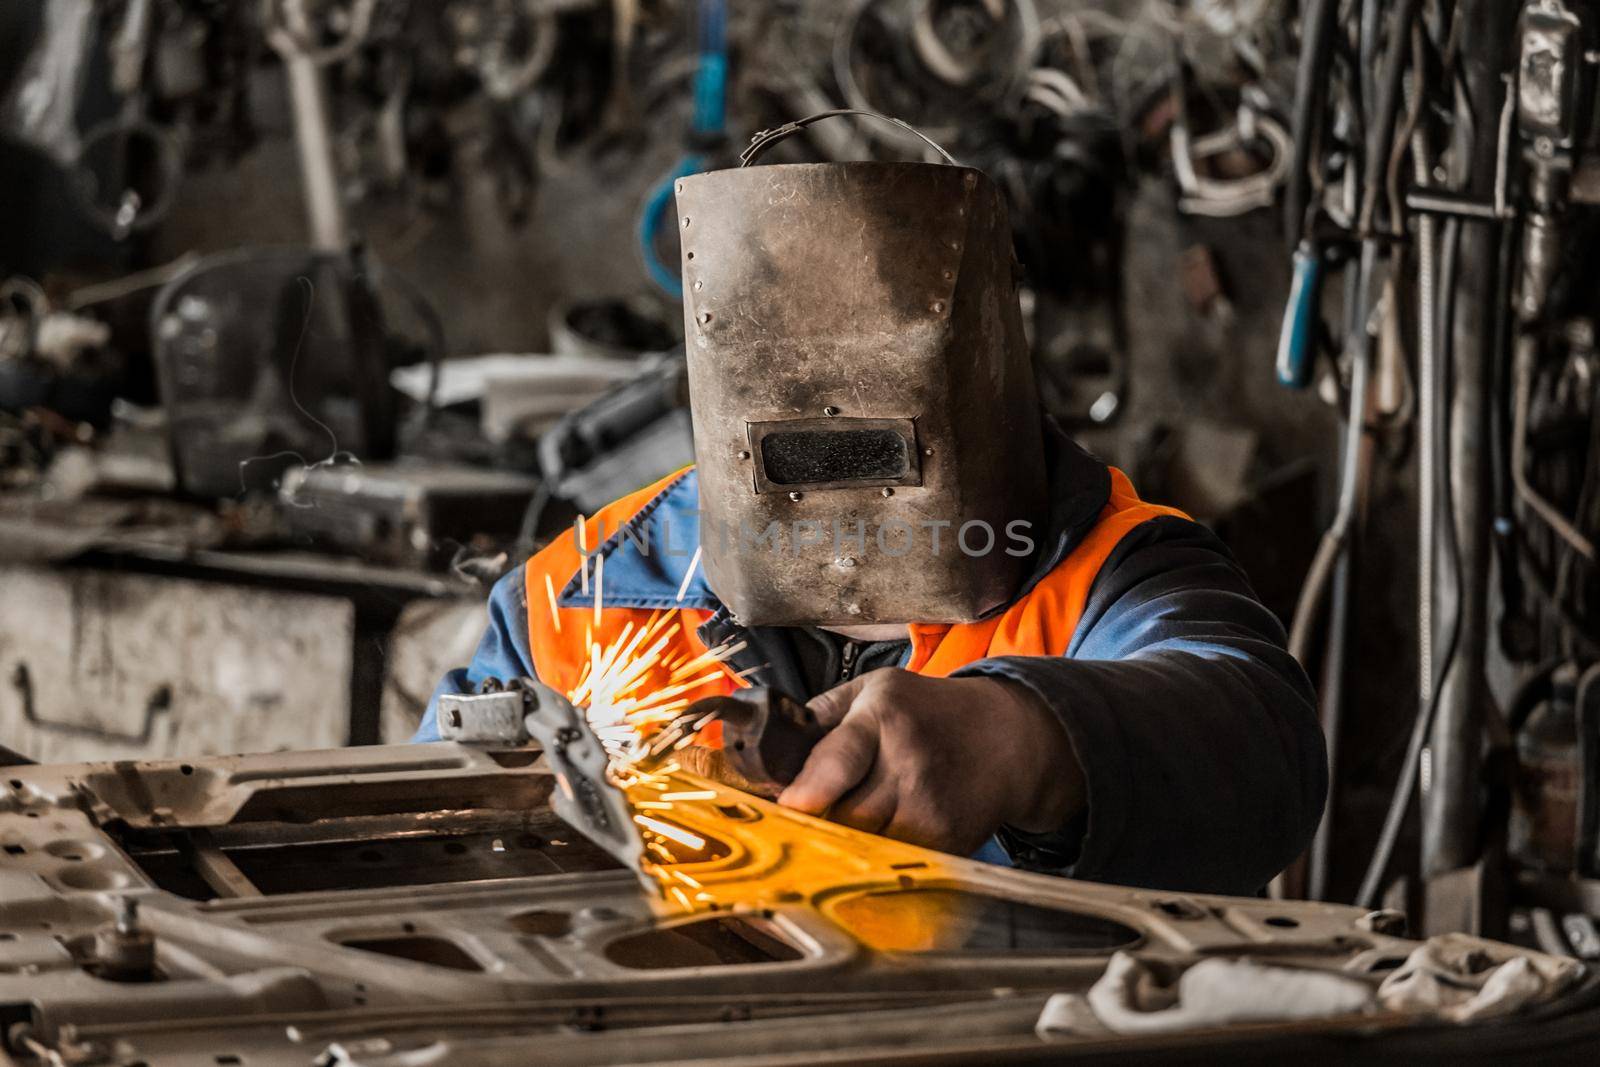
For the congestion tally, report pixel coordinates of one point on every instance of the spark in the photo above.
(583, 547)
(694, 564)
(550, 591)
(636, 688)
(671, 832)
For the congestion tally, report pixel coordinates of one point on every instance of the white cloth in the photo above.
(1214, 992)
(1464, 978)
(1453, 977)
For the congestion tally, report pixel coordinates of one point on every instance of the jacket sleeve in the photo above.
(503, 652)
(1197, 731)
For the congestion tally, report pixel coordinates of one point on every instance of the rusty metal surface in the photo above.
(836, 292)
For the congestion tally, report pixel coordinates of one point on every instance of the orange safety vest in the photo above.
(1039, 623)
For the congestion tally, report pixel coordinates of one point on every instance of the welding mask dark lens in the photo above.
(807, 457)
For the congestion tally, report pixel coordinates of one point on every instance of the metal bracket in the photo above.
(522, 711)
(585, 796)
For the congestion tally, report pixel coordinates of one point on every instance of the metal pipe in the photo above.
(1439, 202)
(319, 174)
(313, 131)
(1427, 417)
(1450, 800)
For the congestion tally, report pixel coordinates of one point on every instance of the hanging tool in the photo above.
(1298, 339)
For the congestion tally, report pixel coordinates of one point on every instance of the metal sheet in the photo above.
(424, 929)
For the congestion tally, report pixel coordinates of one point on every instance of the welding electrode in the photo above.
(766, 735)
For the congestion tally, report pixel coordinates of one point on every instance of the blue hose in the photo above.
(708, 127)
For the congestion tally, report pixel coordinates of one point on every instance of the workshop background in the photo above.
(316, 316)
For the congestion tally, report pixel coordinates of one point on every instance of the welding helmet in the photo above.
(866, 426)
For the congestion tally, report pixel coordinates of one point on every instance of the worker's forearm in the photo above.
(1206, 773)
(1052, 783)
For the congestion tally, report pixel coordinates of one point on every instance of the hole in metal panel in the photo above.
(811, 457)
(935, 919)
(1179, 909)
(542, 923)
(420, 949)
(363, 853)
(719, 941)
(1283, 922)
(521, 757)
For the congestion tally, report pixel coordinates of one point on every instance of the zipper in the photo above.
(847, 659)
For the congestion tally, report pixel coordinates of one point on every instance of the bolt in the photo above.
(705, 317)
(936, 307)
(699, 285)
(927, 451)
(845, 561)
(744, 453)
(887, 491)
(830, 411)
(796, 496)
(949, 275)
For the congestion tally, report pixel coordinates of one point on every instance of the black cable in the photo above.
(1385, 111)
(1320, 21)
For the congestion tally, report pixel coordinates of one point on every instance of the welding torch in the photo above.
(766, 736)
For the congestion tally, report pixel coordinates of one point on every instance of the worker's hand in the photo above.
(938, 762)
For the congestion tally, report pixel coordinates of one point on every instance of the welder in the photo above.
(1014, 656)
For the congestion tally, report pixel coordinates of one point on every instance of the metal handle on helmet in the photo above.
(765, 139)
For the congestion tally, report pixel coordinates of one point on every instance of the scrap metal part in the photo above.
(420, 904)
